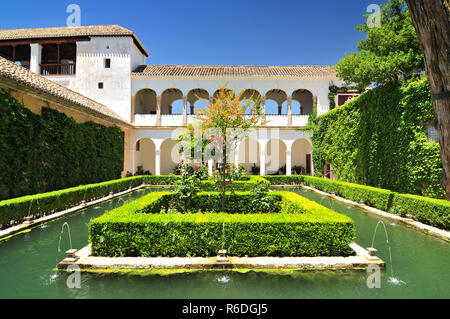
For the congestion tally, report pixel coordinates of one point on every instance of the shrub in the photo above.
(285, 180)
(435, 212)
(378, 139)
(429, 211)
(376, 197)
(313, 231)
(40, 204)
(51, 151)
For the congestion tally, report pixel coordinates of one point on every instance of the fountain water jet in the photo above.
(71, 252)
(391, 279)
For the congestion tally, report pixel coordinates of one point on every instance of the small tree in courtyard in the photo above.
(228, 118)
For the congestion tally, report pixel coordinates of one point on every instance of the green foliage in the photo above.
(435, 212)
(285, 180)
(391, 51)
(314, 231)
(376, 197)
(378, 139)
(51, 151)
(41, 204)
(260, 198)
(333, 90)
(188, 187)
(161, 179)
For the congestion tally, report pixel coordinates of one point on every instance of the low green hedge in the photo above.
(434, 212)
(160, 179)
(14, 210)
(285, 180)
(242, 185)
(376, 197)
(309, 230)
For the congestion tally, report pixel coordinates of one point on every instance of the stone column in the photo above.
(36, 58)
(210, 166)
(132, 159)
(262, 160)
(157, 162)
(289, 111)
(236, 156)
(184, 110)
(288, 162)
(158, 111)
(263, 108)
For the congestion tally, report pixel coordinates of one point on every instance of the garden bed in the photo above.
(296, 227)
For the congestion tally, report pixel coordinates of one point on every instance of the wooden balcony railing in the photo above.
(58, 69)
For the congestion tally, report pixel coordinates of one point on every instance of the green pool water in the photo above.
(420, 266)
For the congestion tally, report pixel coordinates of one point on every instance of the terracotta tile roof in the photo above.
(64, 32)
(39, 83)
(239, 71)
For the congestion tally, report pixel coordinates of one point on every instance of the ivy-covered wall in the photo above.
(41, 153)
(379, 139)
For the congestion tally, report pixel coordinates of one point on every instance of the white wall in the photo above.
(116, 92)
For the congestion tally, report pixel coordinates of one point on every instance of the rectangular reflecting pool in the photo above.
(417, 266)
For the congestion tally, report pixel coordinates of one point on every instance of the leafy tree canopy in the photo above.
(391, 51)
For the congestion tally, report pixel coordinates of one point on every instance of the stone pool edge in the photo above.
(426, 229)
(84, 261)
(26, 226)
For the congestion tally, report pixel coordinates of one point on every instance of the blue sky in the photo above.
(227, 32)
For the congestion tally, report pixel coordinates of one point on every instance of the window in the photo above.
(107, 63)
(433, 135)
(100, 85)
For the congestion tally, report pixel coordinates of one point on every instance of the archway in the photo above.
(305, 100)
(274, 102)
(145, 102)
(249, 155)
(253, 95)
(275, 157)
(168, 97)
(145, 156)
(302, 156)
(195, 97)
(170, 156)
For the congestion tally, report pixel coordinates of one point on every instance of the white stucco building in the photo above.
(107, 65)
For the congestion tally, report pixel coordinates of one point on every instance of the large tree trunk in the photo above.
(431, 21)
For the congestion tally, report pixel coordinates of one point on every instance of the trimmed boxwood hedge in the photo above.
(13, 211)
(41, 204)
(434, 212)
(241, 185)
(308, 230)
(285, 180)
